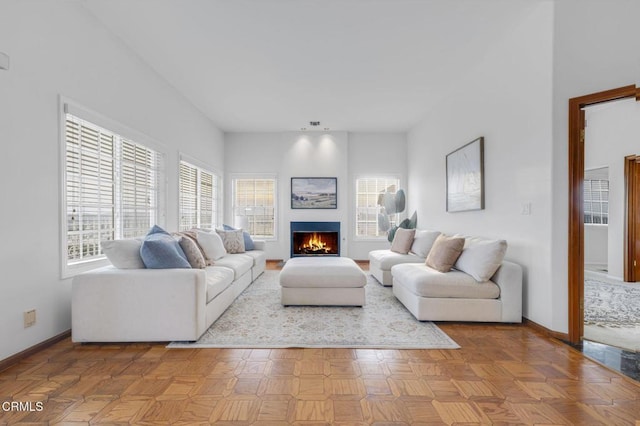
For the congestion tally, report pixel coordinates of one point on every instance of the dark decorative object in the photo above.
(409, 223)
(314, 193)
(465, 177)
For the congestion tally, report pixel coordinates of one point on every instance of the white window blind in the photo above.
(111, 188)
(199, 197)
(255, 198)
(369, 192)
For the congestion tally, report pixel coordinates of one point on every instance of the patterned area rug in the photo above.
(257, 320)
(611, 304)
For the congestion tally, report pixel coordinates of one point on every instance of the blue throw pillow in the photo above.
(248, 241)
(160, 250)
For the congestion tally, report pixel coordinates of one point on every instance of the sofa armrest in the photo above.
(118, 305)
(259, 244)
(509, 278)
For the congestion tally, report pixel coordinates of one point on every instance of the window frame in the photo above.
(256, 176)
(399, 217)
(68, 106)
(218, 202)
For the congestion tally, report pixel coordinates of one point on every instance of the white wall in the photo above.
(290, 154)
(612, 133)
(595, 49)
(506, 98)
(58, 48)
(596, 245)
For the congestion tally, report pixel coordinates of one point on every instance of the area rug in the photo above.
(611, 304)
(257, 320)
(611, 311)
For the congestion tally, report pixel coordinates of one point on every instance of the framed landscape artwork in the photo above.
(465, 177)
(314, 193)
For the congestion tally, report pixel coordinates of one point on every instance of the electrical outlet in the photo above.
(29, 318)
(526, 209)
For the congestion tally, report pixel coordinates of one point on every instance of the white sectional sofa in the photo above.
(136, 305)
(481, 286)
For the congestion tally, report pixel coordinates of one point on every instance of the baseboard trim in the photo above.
(544, 330)
(14, 359)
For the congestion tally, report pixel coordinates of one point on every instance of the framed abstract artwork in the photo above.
(465, 177)
(314, 193)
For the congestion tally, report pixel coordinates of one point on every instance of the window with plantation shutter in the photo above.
(369, 192)
(111, 190)
(254, 203)
(199, 202)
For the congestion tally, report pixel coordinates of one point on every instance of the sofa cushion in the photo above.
(385, 259)
(160, 250)
(211, 244)
(257, 255)
(233, 241)
(194, 255)
(445, 252)
(424, 281)
(218, 279)
(402, 240)
(124, 254)
(423, 241)
(240, 263)
(481, 258)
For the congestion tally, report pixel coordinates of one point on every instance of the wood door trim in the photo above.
(576, 213)
(631, 168)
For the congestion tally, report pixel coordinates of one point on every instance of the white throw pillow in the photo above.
(481, 258)
(211, 244)
(124, 254)
(423, 241)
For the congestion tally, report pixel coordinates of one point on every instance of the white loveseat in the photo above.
(135, 305)
(463, 293)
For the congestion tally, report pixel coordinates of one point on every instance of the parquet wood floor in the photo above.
(503, 374)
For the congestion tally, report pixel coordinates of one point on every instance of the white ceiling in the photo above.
(275, 65)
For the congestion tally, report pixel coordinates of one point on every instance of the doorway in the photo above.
(576, 200)
(632, 218)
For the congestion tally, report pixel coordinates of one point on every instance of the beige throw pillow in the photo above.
(192, 251)
(233, 240)
(444, 253)
(402, 240)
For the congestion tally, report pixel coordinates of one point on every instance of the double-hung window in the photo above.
(254, 204)
(199, 201)
(111, 190)
(369, 193)
(596, 201)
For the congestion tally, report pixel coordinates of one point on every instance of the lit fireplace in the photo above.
(315, 239)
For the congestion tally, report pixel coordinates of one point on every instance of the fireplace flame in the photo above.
(315, 244)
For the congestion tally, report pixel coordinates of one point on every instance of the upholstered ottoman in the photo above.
(323, 281)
